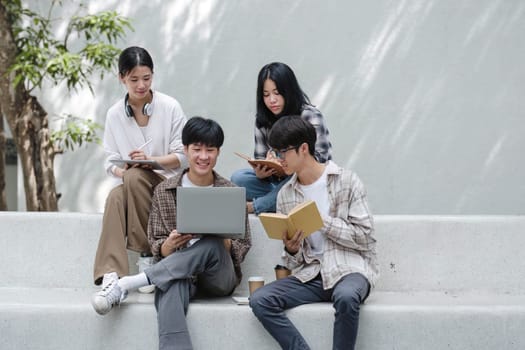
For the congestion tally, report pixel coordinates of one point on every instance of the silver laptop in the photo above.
(218, 211)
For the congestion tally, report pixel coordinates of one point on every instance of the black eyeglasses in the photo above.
(280, 153)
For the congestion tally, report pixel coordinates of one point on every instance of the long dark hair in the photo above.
(288, 87)
(132, 57)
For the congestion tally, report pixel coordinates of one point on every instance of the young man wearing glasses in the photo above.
(337, 263)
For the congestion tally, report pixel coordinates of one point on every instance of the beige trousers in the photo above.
(125, 222)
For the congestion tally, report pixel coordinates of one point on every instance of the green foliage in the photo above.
(75, 132)
(87, 47)
(42, 56)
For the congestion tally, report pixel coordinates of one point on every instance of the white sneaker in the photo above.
(110, 295)
(143, 262)
(107, 278)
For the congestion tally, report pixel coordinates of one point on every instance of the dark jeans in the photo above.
(269, 302)
(262, 193)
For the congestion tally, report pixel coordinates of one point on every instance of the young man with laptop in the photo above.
(186, 262)
(336, 264)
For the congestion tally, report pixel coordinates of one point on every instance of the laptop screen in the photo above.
(212, 210)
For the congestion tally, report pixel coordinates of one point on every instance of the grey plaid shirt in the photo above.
(323, 147)
(349, 243)
(163, 219)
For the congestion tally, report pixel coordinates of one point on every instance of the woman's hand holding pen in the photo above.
(138, 154)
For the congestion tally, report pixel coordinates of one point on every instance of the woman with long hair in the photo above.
(278, 96)
(145, 125)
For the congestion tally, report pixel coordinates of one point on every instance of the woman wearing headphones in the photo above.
(143, 125)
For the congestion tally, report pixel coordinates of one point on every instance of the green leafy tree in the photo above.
(31, 54)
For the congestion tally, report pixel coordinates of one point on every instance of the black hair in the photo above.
(132, 57)
(201, 130)
(288, 87)
(292, 131)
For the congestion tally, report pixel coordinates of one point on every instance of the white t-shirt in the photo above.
(318, 192)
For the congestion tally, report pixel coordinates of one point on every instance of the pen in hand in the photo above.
(144, 144)
(138, 154)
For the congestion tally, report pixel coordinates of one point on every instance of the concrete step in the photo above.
(451, 253)
(447, 282)
(428, 253)
(35, 318)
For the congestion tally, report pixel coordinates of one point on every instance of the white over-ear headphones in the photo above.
(147, 109)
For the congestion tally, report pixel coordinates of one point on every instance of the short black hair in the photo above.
(292, 131)
(132, 57)
(201, 130)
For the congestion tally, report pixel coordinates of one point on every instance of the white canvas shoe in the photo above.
(110, 294)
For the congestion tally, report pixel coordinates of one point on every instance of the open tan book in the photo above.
(269, 163)
(305, 217)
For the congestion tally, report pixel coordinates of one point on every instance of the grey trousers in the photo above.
(211, 264)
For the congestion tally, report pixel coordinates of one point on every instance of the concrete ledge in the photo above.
(429, 253)
(451, 253)
(53, 250)
(62, 319)
(447, 282)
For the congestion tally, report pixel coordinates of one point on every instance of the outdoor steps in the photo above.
(447, 282)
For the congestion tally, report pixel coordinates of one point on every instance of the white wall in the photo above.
(424, 99)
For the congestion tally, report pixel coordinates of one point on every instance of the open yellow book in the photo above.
(269, 163)
(305, 217)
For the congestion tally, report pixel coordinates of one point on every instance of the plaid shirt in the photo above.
(163, 219)
(349, 243)
(323, 147)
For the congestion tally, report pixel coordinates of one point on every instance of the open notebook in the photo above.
(218, 211)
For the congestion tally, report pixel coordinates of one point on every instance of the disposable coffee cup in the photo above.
(255, 282)
(281, 272)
